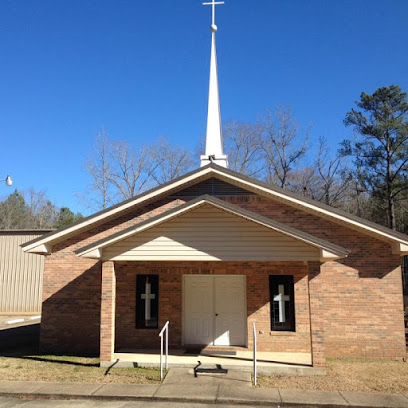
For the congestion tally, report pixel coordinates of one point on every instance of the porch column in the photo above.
(316, 315)
(108, 301)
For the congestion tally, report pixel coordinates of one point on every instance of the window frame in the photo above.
(140, 322)
(289, 284)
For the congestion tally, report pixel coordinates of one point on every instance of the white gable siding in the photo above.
(208, 233)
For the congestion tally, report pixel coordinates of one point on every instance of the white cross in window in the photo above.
(281, 298)
(148, 297)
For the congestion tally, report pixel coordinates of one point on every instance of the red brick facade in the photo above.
(171, 299)
(355, 303)
(108, 307)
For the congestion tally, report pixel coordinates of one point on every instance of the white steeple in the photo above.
(213, 141)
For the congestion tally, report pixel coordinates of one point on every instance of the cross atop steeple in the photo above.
(213, 142)
(213, 4)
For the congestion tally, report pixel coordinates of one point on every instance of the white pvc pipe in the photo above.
(164, 329)
(167, 345)
(161, 358)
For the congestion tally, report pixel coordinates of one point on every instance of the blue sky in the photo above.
(140, 69)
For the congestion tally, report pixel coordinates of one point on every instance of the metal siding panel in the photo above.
(20, 275)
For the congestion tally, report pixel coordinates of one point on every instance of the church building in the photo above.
(213, 252)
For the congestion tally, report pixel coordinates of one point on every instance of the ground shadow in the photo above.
(20, 340)
(285, 363)
(65, 362)
(23, 343)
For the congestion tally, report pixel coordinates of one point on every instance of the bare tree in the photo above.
(119, 172)
(304, 181)
(283, 145)
(99, 194)
(334, 177)
(243, 142)
(169, 162)
(131, 171)
(41, 212)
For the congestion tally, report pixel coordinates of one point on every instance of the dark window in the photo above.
(281, 289)
(147, 301)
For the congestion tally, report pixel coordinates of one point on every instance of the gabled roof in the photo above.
(328, 251)
(399, 241)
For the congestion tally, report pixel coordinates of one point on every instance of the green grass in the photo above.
(349, 374)
(71, 369)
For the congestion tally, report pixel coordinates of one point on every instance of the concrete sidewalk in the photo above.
(181, 386)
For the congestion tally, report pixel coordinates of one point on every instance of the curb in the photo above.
(229, 401)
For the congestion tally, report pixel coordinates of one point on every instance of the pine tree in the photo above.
(381, 152)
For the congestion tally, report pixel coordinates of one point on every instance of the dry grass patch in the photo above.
(349, 375)
(71, 369)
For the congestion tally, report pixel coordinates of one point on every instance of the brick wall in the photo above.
(170, 301)
(71, 305)
(361, 295)
(108, 306)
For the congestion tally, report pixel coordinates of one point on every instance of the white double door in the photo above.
(215, 310)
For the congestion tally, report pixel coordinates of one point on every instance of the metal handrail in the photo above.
(165, 329)
(254, 341)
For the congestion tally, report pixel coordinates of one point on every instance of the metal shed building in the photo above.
(21, 273)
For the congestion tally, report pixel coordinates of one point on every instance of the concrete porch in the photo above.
(269, 363)
(119, 335)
